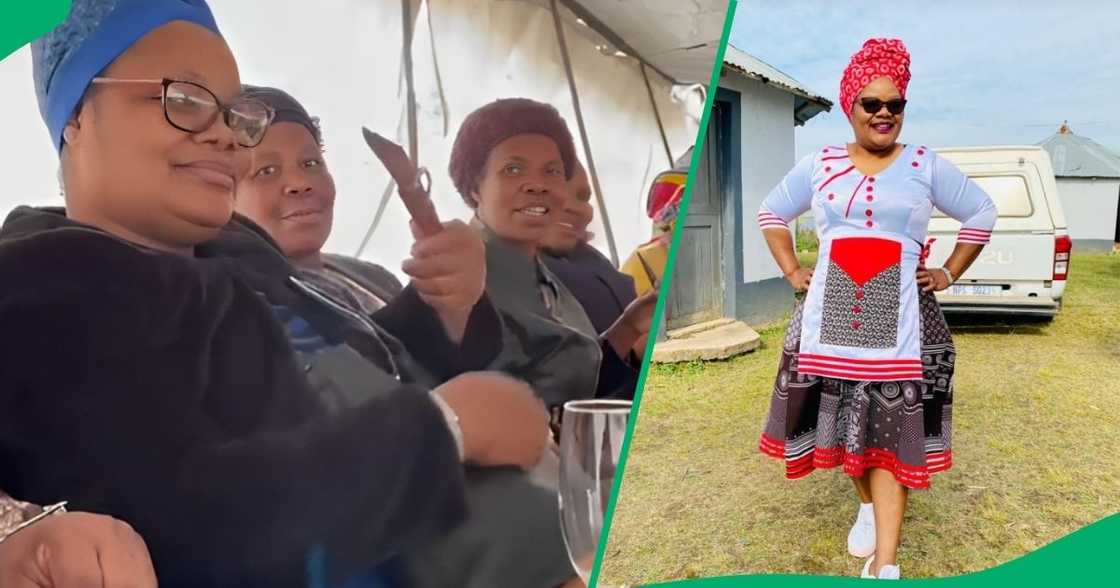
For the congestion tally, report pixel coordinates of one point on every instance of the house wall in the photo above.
(1090, 209)
(765, 154)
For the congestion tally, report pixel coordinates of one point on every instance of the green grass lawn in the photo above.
(1036, 452)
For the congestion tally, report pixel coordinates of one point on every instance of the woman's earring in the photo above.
(68, 133)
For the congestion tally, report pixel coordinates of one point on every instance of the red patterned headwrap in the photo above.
(878, 58)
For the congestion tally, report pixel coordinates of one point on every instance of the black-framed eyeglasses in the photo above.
(193, 108)
(874, 105)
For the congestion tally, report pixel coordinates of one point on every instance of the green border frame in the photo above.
(23, 22)
(1084, 556)
(635, 412)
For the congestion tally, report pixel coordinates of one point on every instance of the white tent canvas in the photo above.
(342, 59)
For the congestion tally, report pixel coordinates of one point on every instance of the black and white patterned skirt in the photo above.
(902, 426)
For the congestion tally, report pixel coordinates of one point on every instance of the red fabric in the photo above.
(878, 58)
(925, 252)
(915, 477)
(666, 190)
(863, 258)
(834, 176)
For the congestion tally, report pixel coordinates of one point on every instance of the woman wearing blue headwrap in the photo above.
(151, 382)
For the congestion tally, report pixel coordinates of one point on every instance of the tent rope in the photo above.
(656, 114)
(566, 57)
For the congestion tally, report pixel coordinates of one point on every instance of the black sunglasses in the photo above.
(874, 105)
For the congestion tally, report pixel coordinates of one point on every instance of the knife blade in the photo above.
(408, 178)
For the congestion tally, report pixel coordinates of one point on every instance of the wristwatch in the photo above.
(948, 274)
(452, 420)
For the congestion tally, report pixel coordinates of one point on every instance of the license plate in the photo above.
(973, 290)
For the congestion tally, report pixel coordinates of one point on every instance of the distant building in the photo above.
(1088, 177)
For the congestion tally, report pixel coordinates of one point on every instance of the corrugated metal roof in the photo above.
(807, 103)
(1074, 156)
(676, 39)
(679, 38)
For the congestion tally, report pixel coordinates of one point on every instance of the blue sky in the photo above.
(983, 72)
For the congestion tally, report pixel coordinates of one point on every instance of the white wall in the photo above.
(1090, 207)
(767, 154)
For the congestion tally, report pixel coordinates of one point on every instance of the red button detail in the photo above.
(872, 180)
(870, 198)
(867, 212)
(915, 164)
(855, 324)
(825, 150)
(870, 224)
(828, 169)
(859, 294)
(831, 196)
(921, 152)
(856, 309)
(871, 188)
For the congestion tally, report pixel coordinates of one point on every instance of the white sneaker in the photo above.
(888, 572)
(861, 539)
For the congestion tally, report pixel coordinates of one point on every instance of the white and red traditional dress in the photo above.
(866, 374)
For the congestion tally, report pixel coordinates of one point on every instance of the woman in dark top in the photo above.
(289, 191)
(511, 162)
(606, 294)
(151, 382)
(512, 535)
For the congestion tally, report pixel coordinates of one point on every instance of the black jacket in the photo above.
(378, 280)
(556, 350)
(512, 536)
(162, 390)
(603, 292)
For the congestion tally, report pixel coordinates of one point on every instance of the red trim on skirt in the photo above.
(855, 465)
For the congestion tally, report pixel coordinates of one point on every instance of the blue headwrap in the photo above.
(94, 34)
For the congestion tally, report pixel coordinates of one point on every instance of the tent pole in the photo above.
(376, 217)
(410, 110)
(583, 131)
(383, 201)
(410, 89)
(657, 114)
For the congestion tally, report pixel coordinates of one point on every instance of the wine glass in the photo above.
(591, 435)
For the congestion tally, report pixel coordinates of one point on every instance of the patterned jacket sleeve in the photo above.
(790, 198)
(959, 197)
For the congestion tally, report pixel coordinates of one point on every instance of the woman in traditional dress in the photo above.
(866, 373)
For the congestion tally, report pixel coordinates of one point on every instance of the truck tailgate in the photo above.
(1011, 256)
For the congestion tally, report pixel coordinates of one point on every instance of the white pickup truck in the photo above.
(1023, 271)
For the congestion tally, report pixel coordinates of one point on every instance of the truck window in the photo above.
(1008, 192)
